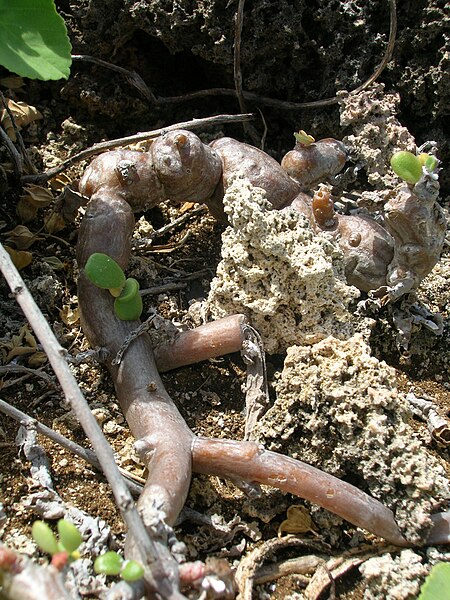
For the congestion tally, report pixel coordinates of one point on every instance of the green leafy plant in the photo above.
(33, 39)
(408, 166)
(67, 543)
(304, 138)
(437, 584)
(69, 538)
(112, 563)
(105, 273)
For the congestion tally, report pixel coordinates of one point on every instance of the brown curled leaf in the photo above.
(22, 113)
(298, 521)
(21, 237)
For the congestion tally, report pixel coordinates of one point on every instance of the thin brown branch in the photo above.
(14, 153)
(249, 571)
(388, 52)
(84, 453)
(285, 104)
(132, 139)
(23, 369)
(16, 158)
(237, 54)
(132, 77)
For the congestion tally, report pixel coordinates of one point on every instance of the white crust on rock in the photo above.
(288, 280)
(338, 408)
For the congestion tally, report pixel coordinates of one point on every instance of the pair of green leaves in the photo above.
(106, 274)
(408, 166)
(69, 538)
(33, 39)
(112, 563)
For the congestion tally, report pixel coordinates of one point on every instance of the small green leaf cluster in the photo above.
(33, 39)
(408, 166)
(437, 584)
(68, 541)
(112, 563)
(105, 273)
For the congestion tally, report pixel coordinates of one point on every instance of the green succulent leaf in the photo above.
(304, 138)
(437, 584)
(132, 571)
(128, 306)
(407, 166)
(109, 563)
(104, 272)
(69, 535)
(44, 537)
(431, 163)
(33, 39)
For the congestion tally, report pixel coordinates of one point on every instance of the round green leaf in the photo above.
(437, 584)
(407, 166)
(33, 39)
(104, 272)
(431, 163)
(128, 306)
(109, 563)
(44, 537)
(69, 535)
(130, 289)
(132, 571)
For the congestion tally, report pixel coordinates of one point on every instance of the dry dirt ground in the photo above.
(178, 48)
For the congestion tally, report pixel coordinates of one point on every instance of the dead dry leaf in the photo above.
(59, 182)
(21, 237)
(22, 113)
(12, 83)
(20, 258)
(69, 315)
(69, 202)
(186, 206)
(54, 262)
(37, 195)
(26, 211)
(37, 360)
(54, 222)
(298, 521)
(19, 345)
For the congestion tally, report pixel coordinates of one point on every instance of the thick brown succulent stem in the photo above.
(165, 442)
(165, 439)
(249, 462)
(209, 340)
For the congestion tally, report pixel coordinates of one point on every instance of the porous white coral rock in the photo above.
(377, 133)
(391, 578)
(337, 408)
(288, 280)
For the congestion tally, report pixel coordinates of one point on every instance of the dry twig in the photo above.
(132, 139)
